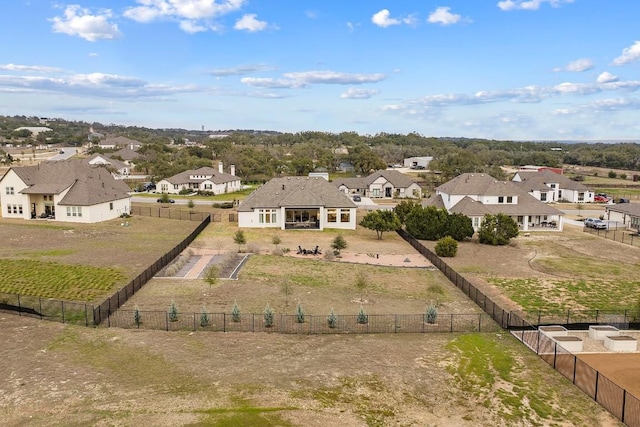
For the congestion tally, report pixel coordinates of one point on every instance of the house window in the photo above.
(110, 206)
(9, 191)
(543, 197)
(581, 197)
(208, 186)
(476, 222)
(164, 188)
(332, 215)
(345, 215)
(267, 216)
(20, 209)
(500, 199)
(74, 211)
(553, 186)
(509, 199)
(175, 186)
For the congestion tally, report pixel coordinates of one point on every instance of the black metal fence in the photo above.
(47, 309)
(170, 212)
(617, 400)
(622, 235)
(313, 324)
(115, 301)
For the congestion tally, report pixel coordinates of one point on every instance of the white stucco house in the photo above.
(476, 195)
(382, 184)
(66, 191)
(203, 179)
(549, 186)
(297, 202)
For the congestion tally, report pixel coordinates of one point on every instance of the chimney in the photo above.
(232, 170)
(220, 167)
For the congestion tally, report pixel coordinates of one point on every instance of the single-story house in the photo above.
(476, 195)
(203, 179)
(626, 213)
(119, 142)
(68, 191)
(297, 202)
(385, 184)
(549, 186)
(118, 169)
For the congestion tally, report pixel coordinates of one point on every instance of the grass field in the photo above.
(82, 262)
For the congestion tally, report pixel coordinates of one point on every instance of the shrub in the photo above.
(299, 314)
(432, 314)
(623, 176)
(329, 256)
(277, 252)
(173, 312)
(268, 316)
(235, 312)
(612, 174)
(332, 320)
(499, 229)
(338, 244)
(204, 318)
(447, 247)
(253, 248)
(137, 316)
(363, 317)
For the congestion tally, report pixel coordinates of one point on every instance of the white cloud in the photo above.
(270, 83)
(249, 22)
(181, 9)
(333, 77)
(354, 93)
(578, 65)
(629, 55)
(607, 77)
(239, 70)
(442, 16)
(32, 68)
(508, 5)
(193, 16)
(383, 19)
(80, 22)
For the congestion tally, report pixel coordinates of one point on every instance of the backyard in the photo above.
(111, 376)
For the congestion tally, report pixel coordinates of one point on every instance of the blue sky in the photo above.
(510, 69)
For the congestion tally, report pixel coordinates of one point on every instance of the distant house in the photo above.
(203, 179)
(626, 213)
(67, 191)
(548, 186)
(297, 202)
(476, 195)
(128, 154)
(35, 130)
(417, 162)
(385, 184)
(118, 169)
(111, 143)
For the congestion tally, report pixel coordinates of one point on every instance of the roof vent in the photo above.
(283, 186)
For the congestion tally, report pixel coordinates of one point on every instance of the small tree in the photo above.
(403, 209)
(338, 244)
(332, 320)
(447, 247)
(164, 198)
(191, 204)
(268, 316)
(497, 229)
(276, 240)
(240, 239)
(431, 314)
(173, 312)
(579, 208)
(299, 314)
(204, 318)
(137, 316)
(363, 317)
(235, 312)
(612, 174)
(381, 221)
(211, 276)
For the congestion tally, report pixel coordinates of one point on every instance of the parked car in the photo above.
(161, 200)
(600, 199)
(623, 200)
(357, 198)
(595, 223)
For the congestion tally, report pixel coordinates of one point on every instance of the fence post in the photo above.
(479, 322)
(624, 403)
(568, 315)
(62, 305)
(19, 307)
(40, 302)
(575, 362)
(395, 323)
(224, 322)
(253, 322)
(595, 394)
(597, 312)
(86, 316)
(166, 320)
(538, 317)
(194, 321)
(555, 354)
(451, 327)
